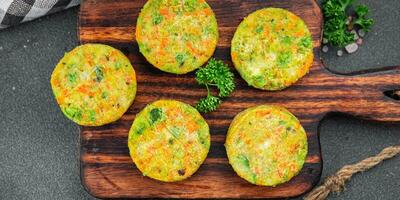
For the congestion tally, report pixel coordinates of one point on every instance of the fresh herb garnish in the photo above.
(362, 20)
(216, 73)
(336, 27)
(208, 104)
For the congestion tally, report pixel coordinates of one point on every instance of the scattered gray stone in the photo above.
(28, 40)
(359, 41)
(324, 41)
(339, 53)
(13, 88)
(1, 48)
(361, 33)
(325, 48)
(351, 48)
(350, 27)
(355, 34)
(25, 46)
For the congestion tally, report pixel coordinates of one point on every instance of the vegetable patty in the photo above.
(169, 140)
(94, 84)
(272, 48)
(266, 145)
(177, 36)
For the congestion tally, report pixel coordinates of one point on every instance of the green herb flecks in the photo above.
(306, 42)
(99, 73)
(175, 132)
(104, 95)
(157, 19)
(73, 113)
(284, 58)
(245, 163)
(92, 115)
(215, 73)
(180, 58)
(72, 77)
(140, 128)
(155, 115)
(259, 29)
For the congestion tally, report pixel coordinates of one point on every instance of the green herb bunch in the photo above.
(216, 73)
(335, 15)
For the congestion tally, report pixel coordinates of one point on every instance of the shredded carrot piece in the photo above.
(266, 31)
(85, 90)
(261, 113)
(207, 12)
(234, 55)
(164, 12)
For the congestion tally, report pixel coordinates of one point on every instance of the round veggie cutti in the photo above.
(177, 36)
(266, 145)
(94, 84)
(168, 140)
(272, 48)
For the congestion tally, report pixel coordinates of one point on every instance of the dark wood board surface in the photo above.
(106, 168)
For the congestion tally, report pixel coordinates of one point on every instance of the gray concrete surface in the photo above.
(38, 145)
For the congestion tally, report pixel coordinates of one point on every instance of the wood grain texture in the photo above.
(106, 168)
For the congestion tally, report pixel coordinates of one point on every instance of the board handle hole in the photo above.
(394, 94)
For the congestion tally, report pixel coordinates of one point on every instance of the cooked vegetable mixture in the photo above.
(177, 36)
(169, 140)
(94, 84)
(266, 145)
(272, 48)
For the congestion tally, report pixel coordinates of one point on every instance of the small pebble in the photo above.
(324, 41)
(13, 88)
(355, 34)
(350, 27)
(349, 19)
(359, 41)
(1, 48)
(339, 53)
(27, 40)
(25, 46)
(351, 48)
(325, 49)
(361, 32)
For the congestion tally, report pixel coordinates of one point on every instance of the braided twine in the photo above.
(335, 183)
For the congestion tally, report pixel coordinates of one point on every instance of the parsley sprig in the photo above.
(216, 73)
(335, 15)
(362, 19)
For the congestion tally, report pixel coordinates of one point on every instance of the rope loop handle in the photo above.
(336, 182)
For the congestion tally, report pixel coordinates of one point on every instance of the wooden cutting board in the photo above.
(106, 168)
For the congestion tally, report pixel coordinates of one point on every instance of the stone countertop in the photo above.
(38, 145)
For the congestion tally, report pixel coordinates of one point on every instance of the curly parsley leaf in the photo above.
(218, 74)
(208, 104)
(215, 73)
(335, 15)
(362, 20)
